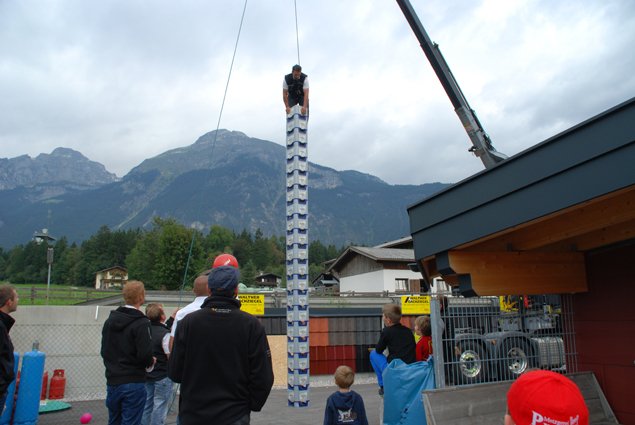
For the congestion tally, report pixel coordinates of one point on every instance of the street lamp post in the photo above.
(40, 237)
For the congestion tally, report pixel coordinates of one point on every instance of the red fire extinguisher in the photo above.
(58, 385)
(45, 383)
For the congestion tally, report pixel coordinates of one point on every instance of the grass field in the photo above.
(37, 294)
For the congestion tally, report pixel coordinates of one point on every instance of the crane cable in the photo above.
(220, 115)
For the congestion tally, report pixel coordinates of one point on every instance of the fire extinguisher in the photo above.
(58, 385)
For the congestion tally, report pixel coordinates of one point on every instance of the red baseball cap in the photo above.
(225, 260)
(545, 397)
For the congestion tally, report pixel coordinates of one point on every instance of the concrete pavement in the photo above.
(275, 411)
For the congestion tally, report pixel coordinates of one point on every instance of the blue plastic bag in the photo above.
(403, 385)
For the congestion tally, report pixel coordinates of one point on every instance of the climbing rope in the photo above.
(220, 115)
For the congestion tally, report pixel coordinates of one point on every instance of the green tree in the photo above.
(278, 251)
(173, 253)
(248, 273)
(219, 239)
(141, 262)
(15, 265)
(160, 257)
(103, 250)
(67, 267)
(34, 265)
(317, 252)
(58, 269)
(242, 247)
(4, 259)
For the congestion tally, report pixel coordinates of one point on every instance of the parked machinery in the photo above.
(495, 344)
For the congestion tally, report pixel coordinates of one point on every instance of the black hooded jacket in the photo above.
(126, 346)
(7, 361)
(345, 408)
(222, 359)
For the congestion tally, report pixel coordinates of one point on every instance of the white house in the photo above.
(113, 277)
(385, 267)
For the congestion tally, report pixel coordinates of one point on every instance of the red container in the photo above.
(58, 385)
(45, 383)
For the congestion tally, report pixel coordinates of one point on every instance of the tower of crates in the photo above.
(297, 259)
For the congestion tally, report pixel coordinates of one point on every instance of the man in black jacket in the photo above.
(8, 304)
(126, 347)
(221, 357)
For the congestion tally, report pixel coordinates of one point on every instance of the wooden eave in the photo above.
(524, 226)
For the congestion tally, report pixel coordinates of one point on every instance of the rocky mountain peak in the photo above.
(63, 165)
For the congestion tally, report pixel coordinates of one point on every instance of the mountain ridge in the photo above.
(228, 179)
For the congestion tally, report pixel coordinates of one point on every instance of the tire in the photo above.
(471, 365)
(516, 358)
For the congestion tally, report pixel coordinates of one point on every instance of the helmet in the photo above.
(225, 260)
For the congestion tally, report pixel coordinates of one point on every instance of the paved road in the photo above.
(275, 411)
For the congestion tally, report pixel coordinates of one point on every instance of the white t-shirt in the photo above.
(285, 86)
(165, 343)
(193, 306)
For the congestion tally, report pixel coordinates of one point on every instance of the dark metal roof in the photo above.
(593, 158)
(402, 243)
(112, 268)
(268, 275)
(375, 254)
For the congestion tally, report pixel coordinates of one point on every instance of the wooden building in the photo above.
(268, 280)
(111, 278)
(556, 218)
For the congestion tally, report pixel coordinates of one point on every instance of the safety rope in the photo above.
(297, 37)
(220, 115)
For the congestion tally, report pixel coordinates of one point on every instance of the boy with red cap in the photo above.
(545, 397)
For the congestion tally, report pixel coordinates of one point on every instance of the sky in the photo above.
(125, 80)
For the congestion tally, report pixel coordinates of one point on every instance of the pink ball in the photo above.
(86, 418)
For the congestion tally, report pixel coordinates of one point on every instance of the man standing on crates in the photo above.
(295, 90)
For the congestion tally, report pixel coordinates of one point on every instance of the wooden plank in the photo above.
(613, 211)
(518, 273)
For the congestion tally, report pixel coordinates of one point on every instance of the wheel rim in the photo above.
(470, 362)
(517, 360)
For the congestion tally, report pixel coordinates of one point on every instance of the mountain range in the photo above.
(228, 179)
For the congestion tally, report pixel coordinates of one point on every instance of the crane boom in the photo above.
(482, 145)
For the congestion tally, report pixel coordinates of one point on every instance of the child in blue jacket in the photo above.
(345, 406)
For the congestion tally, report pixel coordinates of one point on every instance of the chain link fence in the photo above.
(484, 339)
(491, 339)
(71, 339)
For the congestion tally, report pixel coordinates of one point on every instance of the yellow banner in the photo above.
(252, 303)
(415, 304)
